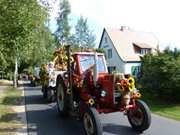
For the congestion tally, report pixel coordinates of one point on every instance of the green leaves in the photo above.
(23, 33)
(161, 74)
(63, 30)
(83, 36)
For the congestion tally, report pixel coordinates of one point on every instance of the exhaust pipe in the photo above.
(95, 69)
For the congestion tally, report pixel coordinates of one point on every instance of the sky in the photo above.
(160, 17)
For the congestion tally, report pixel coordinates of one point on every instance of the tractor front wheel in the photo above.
(62, 100)
(91, 122)
(140, 117)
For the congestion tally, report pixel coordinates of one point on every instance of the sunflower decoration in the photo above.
(131, 84)
(125, 83)
(60, 60)
(78, 81)
(44, 77)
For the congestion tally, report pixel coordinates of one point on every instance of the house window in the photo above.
(109, 53)
(111, 69)
(105, 45)
(135, 70)
(145, 51)
(137, 49)
(105, 40)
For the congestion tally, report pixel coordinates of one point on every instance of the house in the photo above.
(123, 48)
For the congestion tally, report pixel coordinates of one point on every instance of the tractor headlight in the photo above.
(66, 75)
(103, 93)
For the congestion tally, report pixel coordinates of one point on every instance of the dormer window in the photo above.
(141, 48)
(137, 49)
(145, 51)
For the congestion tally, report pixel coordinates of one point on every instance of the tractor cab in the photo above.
(89, 60)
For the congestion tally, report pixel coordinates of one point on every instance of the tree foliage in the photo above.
(161, 74)
(63, 27)
(23, 33)
(83, 36)
(25, 38)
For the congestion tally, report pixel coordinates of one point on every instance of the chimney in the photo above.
(123, 28)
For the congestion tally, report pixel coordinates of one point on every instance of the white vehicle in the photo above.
(51, 90)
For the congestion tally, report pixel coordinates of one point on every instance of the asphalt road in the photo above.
(43, 119)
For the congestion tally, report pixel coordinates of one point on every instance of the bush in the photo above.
(161, 74)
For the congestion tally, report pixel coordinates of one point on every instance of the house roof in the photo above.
(143, 45)
(123, 40)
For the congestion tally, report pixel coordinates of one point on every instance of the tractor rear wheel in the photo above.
(140, 117)
(91, 122)
(62, 100)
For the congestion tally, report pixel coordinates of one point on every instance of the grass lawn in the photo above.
(166, 109)
(8, 118)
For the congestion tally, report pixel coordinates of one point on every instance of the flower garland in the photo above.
(60, 59)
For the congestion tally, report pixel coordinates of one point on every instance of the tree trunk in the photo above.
(15, 73)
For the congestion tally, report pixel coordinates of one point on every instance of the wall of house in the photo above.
(115, 61)
(129, 66)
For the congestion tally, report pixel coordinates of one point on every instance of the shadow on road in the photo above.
(119, 129)
(43, 118)
(36, 99)
(46, 122)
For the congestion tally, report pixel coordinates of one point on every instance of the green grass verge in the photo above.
(8, 118)
(164, 108)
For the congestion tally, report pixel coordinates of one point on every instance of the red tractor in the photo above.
(86, 89)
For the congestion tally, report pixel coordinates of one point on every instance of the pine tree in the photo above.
(63, 29)
(84, 37)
